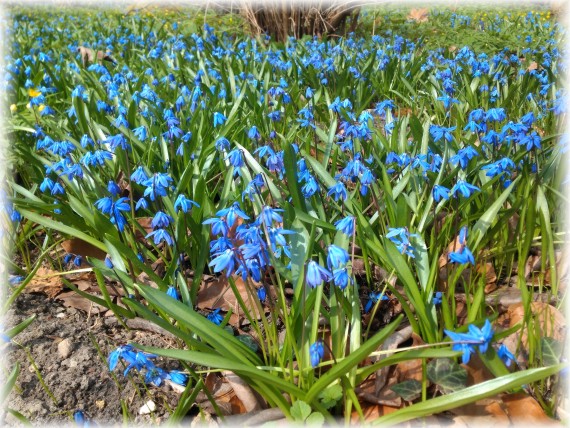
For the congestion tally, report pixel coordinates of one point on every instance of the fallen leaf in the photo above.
(46, 281)
(371, 412)
(145, 225)
(74, 300)
(477, 372)
(522, 408)
(81, 248)
(546, 319)
(219, 294)
(418, 15)
(249, 400)
(487, 412)
(411, 369)
(532, 66)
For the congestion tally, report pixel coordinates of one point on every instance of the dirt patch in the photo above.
(76, 373)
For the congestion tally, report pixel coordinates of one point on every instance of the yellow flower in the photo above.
(34, 93)
(13, 108)
(28, 105)
(41, 107)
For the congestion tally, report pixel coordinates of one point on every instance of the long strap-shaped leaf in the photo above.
(352, 360)
(222, 341)
(468, 395)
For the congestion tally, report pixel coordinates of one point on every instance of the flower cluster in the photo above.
(246, 248)
(142, 361)
(467, 342)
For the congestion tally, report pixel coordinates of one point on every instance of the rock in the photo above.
(64, 348)
(148, 408)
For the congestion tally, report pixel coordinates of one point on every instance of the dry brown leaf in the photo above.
(74, 300)
(81, 248)
(244, 394)
(477, 372)
(219, 294)
(532, 66)
(411, 369)
(372, 412)
(487, 412)
(418, 15)
(545, 318)
(145, 223)
(523, 408)
(46, 281)
(550, 320)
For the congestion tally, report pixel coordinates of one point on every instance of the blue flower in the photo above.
(155, 376)
(160, 235)
(341, 277)
(141, 361)
(506, 355)
(232, 213)
(125, 352)
(346, 225)
(178, 377)
(495, 115)
(113, 188)
(261, 293)
(225, 260)
(219, 226)
(317, 352)
(80, 418)
(215, 316)
(437, 298)
(235, 157)
(219, 119)
(439, 132)
(108, 262)
(316, 274)
(338, 191)
(373, 298)
(172, 292)
(253, 133)
(440, 192)
(463, 188)
(466, 342)
(183, 203)
(161, 220)
(336, 257)
(269, 215)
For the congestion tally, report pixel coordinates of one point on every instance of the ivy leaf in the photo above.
(409, 390)
(300, 410)
(248, 341)
(446, 373)
(551, 351)
(330, 396)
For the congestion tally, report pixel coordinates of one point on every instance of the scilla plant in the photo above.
(279, 169)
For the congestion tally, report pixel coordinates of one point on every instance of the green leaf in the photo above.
(300, 411)
(551, 351)
(447, 374)
(11, 333)
(9, 383)
(409, 390)
(315, 419)
(330, 396)
(468, 395)
(248, 341)
(344, 366)
(485, 221)
(63, 228)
